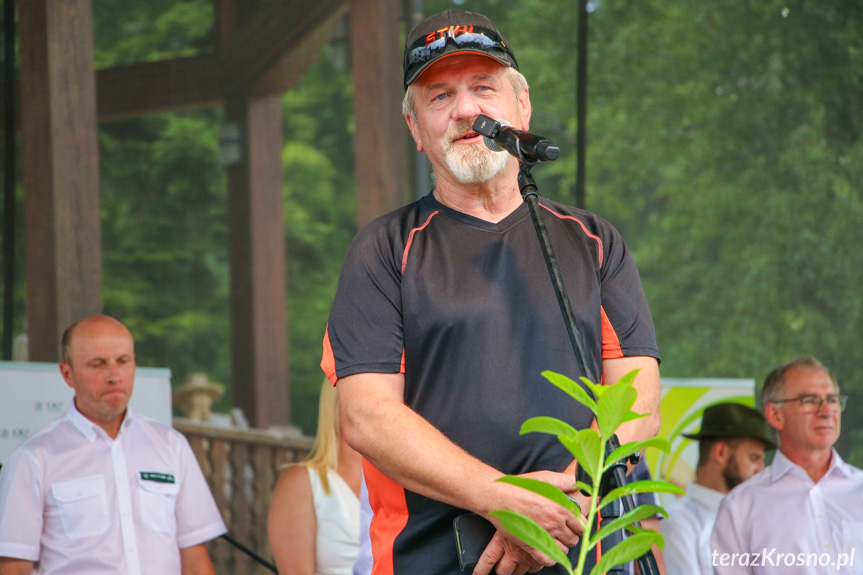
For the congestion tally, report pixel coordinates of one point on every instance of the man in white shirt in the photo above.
(104, 489)
(804, 513)
(731, 446)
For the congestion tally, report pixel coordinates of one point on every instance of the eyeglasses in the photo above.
(428, 47)
(811, 403)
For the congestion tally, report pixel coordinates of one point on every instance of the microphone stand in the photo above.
(527, 186)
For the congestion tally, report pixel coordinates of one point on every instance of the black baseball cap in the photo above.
(453, 32)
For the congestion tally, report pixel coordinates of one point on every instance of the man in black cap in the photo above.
(445, 318)
(731, 446)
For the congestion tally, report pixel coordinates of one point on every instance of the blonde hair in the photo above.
(325, 451)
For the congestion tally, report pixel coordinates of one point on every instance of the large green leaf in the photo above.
(627, 550)
(572, 388)
(547, 490)
(628, 378)
(646, 486)
(628, 449)
(550, 425)
(637, 514)
(531, 533)
(613, 407)
(585, 447)
(596, 389)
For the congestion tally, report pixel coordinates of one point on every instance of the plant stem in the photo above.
(594, 509)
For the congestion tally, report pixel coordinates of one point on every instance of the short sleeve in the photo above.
(365, 328)
(626, 321)
(198, 517)
(21, 507)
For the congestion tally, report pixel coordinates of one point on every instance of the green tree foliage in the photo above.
(164, 212)
(320, 216)
(724, 142)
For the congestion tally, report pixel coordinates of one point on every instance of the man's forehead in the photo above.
(112, 342)
(460, 67)
(806, 378)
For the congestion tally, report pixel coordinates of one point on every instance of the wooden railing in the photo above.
(241, 467)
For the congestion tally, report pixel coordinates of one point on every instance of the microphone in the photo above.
(500, 136)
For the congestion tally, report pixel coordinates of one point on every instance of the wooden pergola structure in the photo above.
(262, 49)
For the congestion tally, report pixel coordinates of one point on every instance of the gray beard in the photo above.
(474, 164)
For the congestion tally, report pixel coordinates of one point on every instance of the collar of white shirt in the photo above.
(709, 498)
(90, 429)
(781, 466)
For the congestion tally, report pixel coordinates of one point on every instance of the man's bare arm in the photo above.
(195, 560)
(11, 566)
(408, 449)
(647, 385)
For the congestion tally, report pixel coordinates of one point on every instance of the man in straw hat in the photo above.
(445, 318)
(731, 446)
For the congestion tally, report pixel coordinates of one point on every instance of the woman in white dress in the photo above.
(314, 521)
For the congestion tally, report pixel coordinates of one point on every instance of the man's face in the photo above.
(801, 427)
(101, 369)
(448, 97)
(746, 458)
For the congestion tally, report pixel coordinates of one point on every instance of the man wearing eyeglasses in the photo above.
(445, 318)
(804, 513)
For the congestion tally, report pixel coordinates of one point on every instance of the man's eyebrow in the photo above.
(475, 78)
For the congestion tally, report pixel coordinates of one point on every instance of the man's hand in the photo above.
(195, 560)
(505, 552)
(11, 566)
(512, 556)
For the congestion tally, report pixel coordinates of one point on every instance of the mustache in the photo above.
(460, 130)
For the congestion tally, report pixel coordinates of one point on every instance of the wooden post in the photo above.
(380, 139)
(257, 258)
(61, 169)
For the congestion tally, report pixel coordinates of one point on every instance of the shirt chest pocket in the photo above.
(156, 501)
(82, 506)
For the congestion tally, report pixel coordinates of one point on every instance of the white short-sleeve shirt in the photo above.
(73, 500)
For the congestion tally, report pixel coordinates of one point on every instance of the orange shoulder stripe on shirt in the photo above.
(583, 227)
(610, 342)
(411, 239)
(328, 360)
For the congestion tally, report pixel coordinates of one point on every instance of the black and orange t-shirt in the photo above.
(466, 309)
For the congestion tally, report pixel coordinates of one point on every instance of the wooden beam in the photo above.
(266, 55)
(269, 53)
(61, 169)
(256, 235)
(169, 85)
(379, 140)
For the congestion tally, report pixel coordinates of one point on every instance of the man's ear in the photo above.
(66, 372)
(525, 108)
(720, 452)
(775, 416)
(414, 128)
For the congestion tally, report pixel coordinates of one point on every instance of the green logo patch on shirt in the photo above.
(157, 477)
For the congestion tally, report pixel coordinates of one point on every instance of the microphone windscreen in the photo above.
(491, 144)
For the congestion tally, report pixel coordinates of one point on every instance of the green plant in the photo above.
(612, 407)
